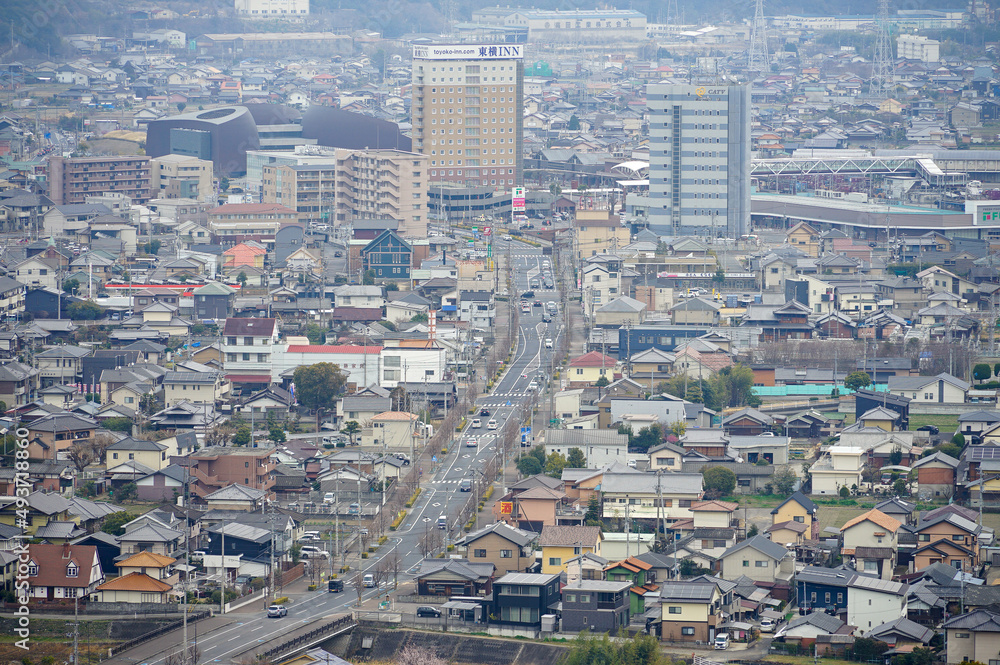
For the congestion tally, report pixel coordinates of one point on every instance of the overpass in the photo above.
(854, 162)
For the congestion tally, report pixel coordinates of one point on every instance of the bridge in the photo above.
(856, 163)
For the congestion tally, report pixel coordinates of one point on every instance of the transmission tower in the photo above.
(673, 15)
(758, 57)
(881, 83)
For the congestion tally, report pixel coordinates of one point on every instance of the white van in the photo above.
(368, 581)
(548, 342)
(443, 522)
(722, 641)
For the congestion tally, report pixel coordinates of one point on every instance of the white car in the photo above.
(532, 387)
(476, 423)
(492, 424)
(311, 552)
(767, 625)
(471, 443)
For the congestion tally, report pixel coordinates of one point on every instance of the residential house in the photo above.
(561, 543)
(947, 538)
(941, 389)
(389, 256)
(973, 636)
(599, 606)
(758, 559)
(839, 467)
(49, 437)
(690, 612)
(639, 575)
(871, 539)
(151, 454)
(62, 572)
(872, 601)
(454, 577)
(216, 467)
(509, 549)
(587, 369)
(521, 599)
(936, 476)
(820, 589)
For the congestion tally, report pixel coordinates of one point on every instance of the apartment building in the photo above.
(272, 8)
(72, 179)
(699, 159)
(467, 112)
(918, 47)
(248, 346)
(216, 467)
(181, 177)
(233, 223)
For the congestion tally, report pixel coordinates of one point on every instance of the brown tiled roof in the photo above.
(569, 536)
(876, 516)
(790, 525)
(146, 560)
(715, 506)
(135, 582)
(53, 559)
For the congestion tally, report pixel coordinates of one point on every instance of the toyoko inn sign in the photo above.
(469, 52)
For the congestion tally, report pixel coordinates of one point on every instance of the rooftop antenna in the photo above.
(881, 83)
(758, 57)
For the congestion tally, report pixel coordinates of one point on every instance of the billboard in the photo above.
(517, 198)
(506, 507)
(469, 52)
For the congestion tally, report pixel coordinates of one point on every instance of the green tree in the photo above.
(868, 650)
(996, 369)
(593, 514)
(277, 435)
(419, 318)
(114, 524)
(242, 279)
(223, 183)
(576, 459)
(718, 481)
(152, 247)
(528, 465)
(315, 333)
(602, 382)
(784, 482)
(574, 124)
(901, 487)
(554, 464)
(981, 372)
(752, 531)
(127, 492)
(368, 278)
(588, 649)
(392, 286)
(734, 387)
(388, 325)
(647, 437)
(351, 429)
(958, 440)
(242, 436)
(84, 310)
(122, 424)
(71, 285)
(857, 380)
(538, 452)
(844, 492)
(318, 386)
(895, 456)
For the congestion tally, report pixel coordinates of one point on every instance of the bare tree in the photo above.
(177, 657)
(414, 655)
(393, 564)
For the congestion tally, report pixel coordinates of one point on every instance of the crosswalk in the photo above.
(446, 482)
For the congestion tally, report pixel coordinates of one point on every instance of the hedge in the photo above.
(280, 601)
(488, 493)
(413, 499)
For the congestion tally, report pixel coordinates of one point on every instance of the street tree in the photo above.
(857, 380)
(351, 428)
(576, 459)
(718, 481)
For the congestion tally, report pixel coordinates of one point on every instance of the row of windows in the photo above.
(504, 554)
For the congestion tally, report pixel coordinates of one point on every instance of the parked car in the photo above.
(932, 429)
(276, 611)
(312, 552)
(427, 611)
(328, 497)
(767, 625)
(722, 641)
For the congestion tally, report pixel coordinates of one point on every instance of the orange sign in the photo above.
(506, 507)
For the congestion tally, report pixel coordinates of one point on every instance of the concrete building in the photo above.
(234, 223)
(181, 177)
(580, 26)
(699, 159)
(271, 8)
(454, 132)
(918, 47)
(216, 467)
(248, 345)
(73, 179)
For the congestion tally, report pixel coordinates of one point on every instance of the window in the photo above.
(506, 554)
(760, 564)
(480, 554)
(871, 566)
(687, 630)
(675, 610)
(799, 518)
(746, 564)
(964, 636)
(72, 570)
(555, 561)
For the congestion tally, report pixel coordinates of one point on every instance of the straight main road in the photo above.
(441, 495)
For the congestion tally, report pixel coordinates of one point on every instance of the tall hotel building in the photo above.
(467, 112)
(699, 159)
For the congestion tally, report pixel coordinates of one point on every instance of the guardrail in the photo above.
(136, 641)
(286, 648)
